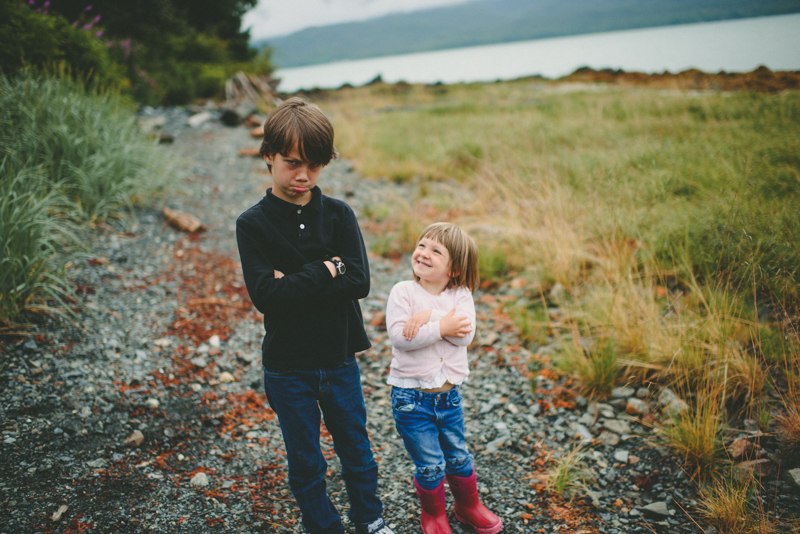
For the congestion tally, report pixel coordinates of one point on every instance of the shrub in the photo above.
(32, 39)
(87, 144)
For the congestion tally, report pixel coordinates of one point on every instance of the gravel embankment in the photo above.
(171, 348)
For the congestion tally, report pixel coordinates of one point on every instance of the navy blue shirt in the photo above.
(311, 319)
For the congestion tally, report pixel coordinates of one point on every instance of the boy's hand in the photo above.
(331, 267)
(277, 274)
(450, 326)
(412, 325)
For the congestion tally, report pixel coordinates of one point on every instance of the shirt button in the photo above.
(299, 211)
(441, 359)
(302, 226)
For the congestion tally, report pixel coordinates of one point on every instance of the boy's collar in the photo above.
(288, 209)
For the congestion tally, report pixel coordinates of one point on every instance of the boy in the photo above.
(305, 267)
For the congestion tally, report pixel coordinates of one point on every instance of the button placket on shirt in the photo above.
(301, 225)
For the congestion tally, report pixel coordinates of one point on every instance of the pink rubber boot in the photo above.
(469, 508)
(434, 509)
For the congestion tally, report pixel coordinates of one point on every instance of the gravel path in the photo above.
(152, 417)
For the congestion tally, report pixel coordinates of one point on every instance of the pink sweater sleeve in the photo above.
(399, 309)
(465, 306)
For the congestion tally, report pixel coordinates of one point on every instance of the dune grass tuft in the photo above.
(69, 156)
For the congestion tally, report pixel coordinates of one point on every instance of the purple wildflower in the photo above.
(87, 27)
(47, 4)
(31, 2)
(88, 8)
(97, 19)
(99, 34)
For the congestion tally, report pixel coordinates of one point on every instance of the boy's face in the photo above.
(431, 262)
(293, 178)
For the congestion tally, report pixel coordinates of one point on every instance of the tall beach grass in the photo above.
(661, 224)
(69, 157)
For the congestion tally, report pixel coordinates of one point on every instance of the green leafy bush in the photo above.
(32, 39)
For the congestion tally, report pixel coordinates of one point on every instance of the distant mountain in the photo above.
(500, 21)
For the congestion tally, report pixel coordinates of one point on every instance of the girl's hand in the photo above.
(451, 326)
(412, 325)
(277, 274)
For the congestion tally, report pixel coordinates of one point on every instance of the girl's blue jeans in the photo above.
(298, 397)
(432, 428)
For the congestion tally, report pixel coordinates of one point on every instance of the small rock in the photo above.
(491, 404)
(608, 439)
(58, 513)
(152, 403)
(637, 407)
(581, 431)
(616, 426)
(656, 510)
(249, 357)
(741, 448)
(642, 393)
(214, 341)
(30, 345)
(226, 377)
(489, 339)
(163, 342)
(196, 387)
(793, 476)
(675, 407)
(98, 464)
(200, 480)
(667, 396)
(751, 426)
(214, 351)
(622, 393)
(134, 440)
(199, 362)
(199, 118)
(621, 457)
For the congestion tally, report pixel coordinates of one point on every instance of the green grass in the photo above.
(567, 475)
(30, 242)
(68, 157)
(714, 175)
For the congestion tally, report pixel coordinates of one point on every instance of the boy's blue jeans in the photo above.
(432, 428)
(297, 397)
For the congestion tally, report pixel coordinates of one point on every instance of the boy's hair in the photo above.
(297, 121)
(463, 254)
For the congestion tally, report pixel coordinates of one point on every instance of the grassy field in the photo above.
(661, 224)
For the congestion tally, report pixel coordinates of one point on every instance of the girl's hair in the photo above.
(297, 121)
(463, 254)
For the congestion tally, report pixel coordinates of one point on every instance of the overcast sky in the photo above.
(271, 18)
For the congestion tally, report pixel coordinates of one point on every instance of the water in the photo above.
(734, 46)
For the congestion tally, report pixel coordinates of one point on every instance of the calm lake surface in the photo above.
(734, 46)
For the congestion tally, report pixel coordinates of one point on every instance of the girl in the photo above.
(431, 320)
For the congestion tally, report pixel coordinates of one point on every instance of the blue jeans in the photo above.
(432, 428)
(297, 397)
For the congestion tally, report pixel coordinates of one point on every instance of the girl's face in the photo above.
(431, 263)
